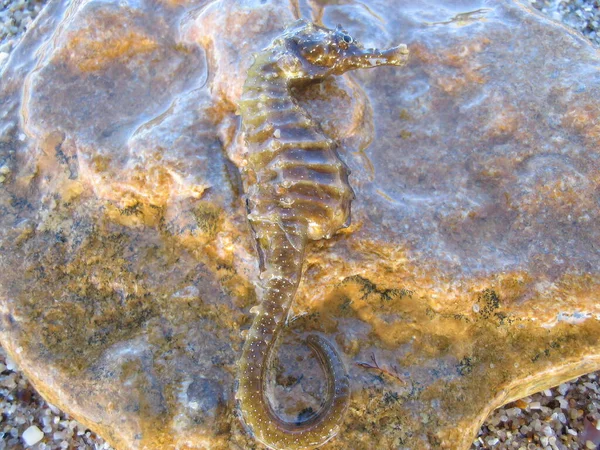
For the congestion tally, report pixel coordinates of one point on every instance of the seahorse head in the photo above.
(314, 52)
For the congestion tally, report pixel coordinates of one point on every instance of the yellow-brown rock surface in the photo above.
(469, 277)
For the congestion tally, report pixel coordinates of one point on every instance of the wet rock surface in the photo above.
(467, 279)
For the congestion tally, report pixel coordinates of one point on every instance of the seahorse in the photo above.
(296, 190)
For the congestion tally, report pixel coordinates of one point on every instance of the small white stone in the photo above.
(10, 364)
(32, 435)
(58, 435)
(493, 441)
(562, 402)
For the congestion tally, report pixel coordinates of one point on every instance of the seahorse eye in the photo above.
(348, 39)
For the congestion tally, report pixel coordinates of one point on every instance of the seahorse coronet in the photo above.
(297, 190)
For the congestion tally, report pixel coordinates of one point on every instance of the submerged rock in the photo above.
(468, 278)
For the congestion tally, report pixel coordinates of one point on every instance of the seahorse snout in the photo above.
(396, 56)
(359, 58)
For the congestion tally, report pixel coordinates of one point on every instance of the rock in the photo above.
(32, 435)
(468, 278)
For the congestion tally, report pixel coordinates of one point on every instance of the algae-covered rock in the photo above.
(468, 278)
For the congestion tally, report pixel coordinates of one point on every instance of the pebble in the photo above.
(583, 15)
(554, 419)
(26, 420)
(32, 435)
(15, 16)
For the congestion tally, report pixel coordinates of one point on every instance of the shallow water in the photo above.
(129, 268)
